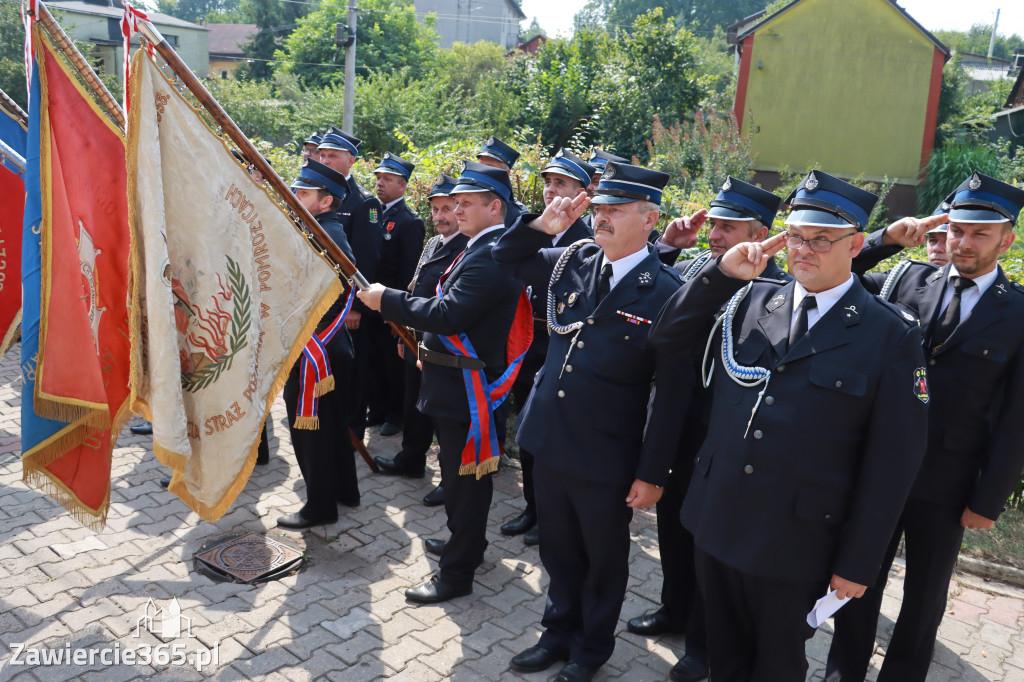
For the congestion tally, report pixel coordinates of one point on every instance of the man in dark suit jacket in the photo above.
(403, 235)
(437, 256)
(599, 454)
(360, 216)
(497, 154)
(467, 328)
(819, 400)
(972, 318)
(324, 452)
(566, 175)
(740, 213)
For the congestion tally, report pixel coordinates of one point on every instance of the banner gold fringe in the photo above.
(307, 423)
(13, 334)
(94, 520)
(488, 466)
(323, 387)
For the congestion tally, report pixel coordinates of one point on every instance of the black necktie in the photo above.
(800, 328)
(944, 329)
(604, 282)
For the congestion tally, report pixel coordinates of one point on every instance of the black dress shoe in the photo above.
(389, 467)
(519, 524)
(435, 498)
(374, 420)
(434, 545)
(532, 536)
(651, 624)
(689, 669)
(436, 590)
(297, 521)
(574, 672)
(390, 429)
(142, 428)
(535, 659)
(165, 481)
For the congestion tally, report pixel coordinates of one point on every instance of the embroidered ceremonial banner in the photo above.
(75, 357)
(13, 138)
(228, 294)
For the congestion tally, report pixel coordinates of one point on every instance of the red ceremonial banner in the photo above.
(12, 198)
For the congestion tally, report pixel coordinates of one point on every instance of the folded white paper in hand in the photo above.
(824, 608)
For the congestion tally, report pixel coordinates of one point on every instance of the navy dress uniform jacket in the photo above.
(589, 420)
(342, 340)
(974, 456)
(360, 214)
(435, 262)
(817, 485)
(401, 252)
(478, 299)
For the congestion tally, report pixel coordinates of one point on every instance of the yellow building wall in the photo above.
(842, 84)
(217, 67)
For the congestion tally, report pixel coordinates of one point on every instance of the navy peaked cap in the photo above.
(599, 158)
(392, 163)
(477, 177)
(825, 200)
(981, 199)
(622, 183)
(496, 149)
(315, 175)
(568, 164)
(738, 200)
(336, 138)
(443, 186)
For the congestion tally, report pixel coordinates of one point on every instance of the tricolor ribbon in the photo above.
(129, 27)
(315, 376)
(480, 454)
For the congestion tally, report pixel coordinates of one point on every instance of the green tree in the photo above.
(195, 10)
(695, 14)
(388, 38)
(12, 55)
(976, 39)
(274, 19)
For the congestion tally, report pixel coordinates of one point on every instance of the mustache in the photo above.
(604, 226)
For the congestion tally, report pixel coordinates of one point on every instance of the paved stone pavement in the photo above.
(343, 617)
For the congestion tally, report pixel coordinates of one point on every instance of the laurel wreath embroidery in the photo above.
(161, 102)
(241, 320)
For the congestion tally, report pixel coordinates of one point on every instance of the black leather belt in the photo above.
(448, 360)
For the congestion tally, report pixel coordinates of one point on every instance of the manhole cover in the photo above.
(249, 558)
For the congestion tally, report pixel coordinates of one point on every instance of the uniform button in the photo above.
(568, 368)
(705, 280)
(931, 363)
(626, 337)
(561, 394)
(780, 368)
(839, 384)
(985, 352)
(579, 344)
(828, 517)
(759, 434)
(769, 400)
(590, 320)
(749, 469)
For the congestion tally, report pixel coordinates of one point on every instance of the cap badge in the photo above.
(609, 171)
(812, 183)
(560, 154)
(945, 206)
(728, 185)
(975, 183)
(490, 141)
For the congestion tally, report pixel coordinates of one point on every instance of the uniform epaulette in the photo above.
(770, 280)
(676, 275)
(1018, 287)
(899, 311)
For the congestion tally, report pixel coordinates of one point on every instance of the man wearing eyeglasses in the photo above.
(972, 318)
(819, 400)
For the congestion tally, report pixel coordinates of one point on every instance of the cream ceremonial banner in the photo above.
(226, 292)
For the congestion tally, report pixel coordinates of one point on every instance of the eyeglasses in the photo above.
(817, 244)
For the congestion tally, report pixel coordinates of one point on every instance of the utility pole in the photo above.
(350, 70)
(992, 41)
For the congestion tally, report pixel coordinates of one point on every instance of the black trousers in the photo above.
(360, 377)
(757, 627)
(933, 538)
(325, 456)
(386, 388)
(584, 546)
(682, 603)
(466, 501)
(418, 428)
(520, 392)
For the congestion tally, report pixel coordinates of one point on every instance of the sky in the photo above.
(555, 16)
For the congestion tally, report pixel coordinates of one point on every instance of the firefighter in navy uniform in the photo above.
(740, 213)
(599, 452)
(403, 235)
(972, 318)
(818, 401)
(437, 256)
(360, 216)
(470, 328)
(324, 454)
(566, 175)
(497, 154)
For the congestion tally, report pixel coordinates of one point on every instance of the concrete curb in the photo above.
(987, 569)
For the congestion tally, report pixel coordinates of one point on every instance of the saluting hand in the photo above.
(642, 495)
(370, 298)
(747, 260)
(561, 213)
(910, 231)
(681, 233)
(846, 589)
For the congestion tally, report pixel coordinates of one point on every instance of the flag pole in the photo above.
(250, 152)
(79, 62)
(13, 108)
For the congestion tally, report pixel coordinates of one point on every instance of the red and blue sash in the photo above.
(315, 377)
(480, 454)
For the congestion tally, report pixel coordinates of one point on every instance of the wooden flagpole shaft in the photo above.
(13, 108)
(238, 137)
(84, 70)
(363, 452)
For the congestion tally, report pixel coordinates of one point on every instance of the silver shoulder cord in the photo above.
(747, 377)
(702, 258)
(556, 274)
(893, 279)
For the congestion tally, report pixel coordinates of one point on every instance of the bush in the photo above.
(949, 165)
(699, 154)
